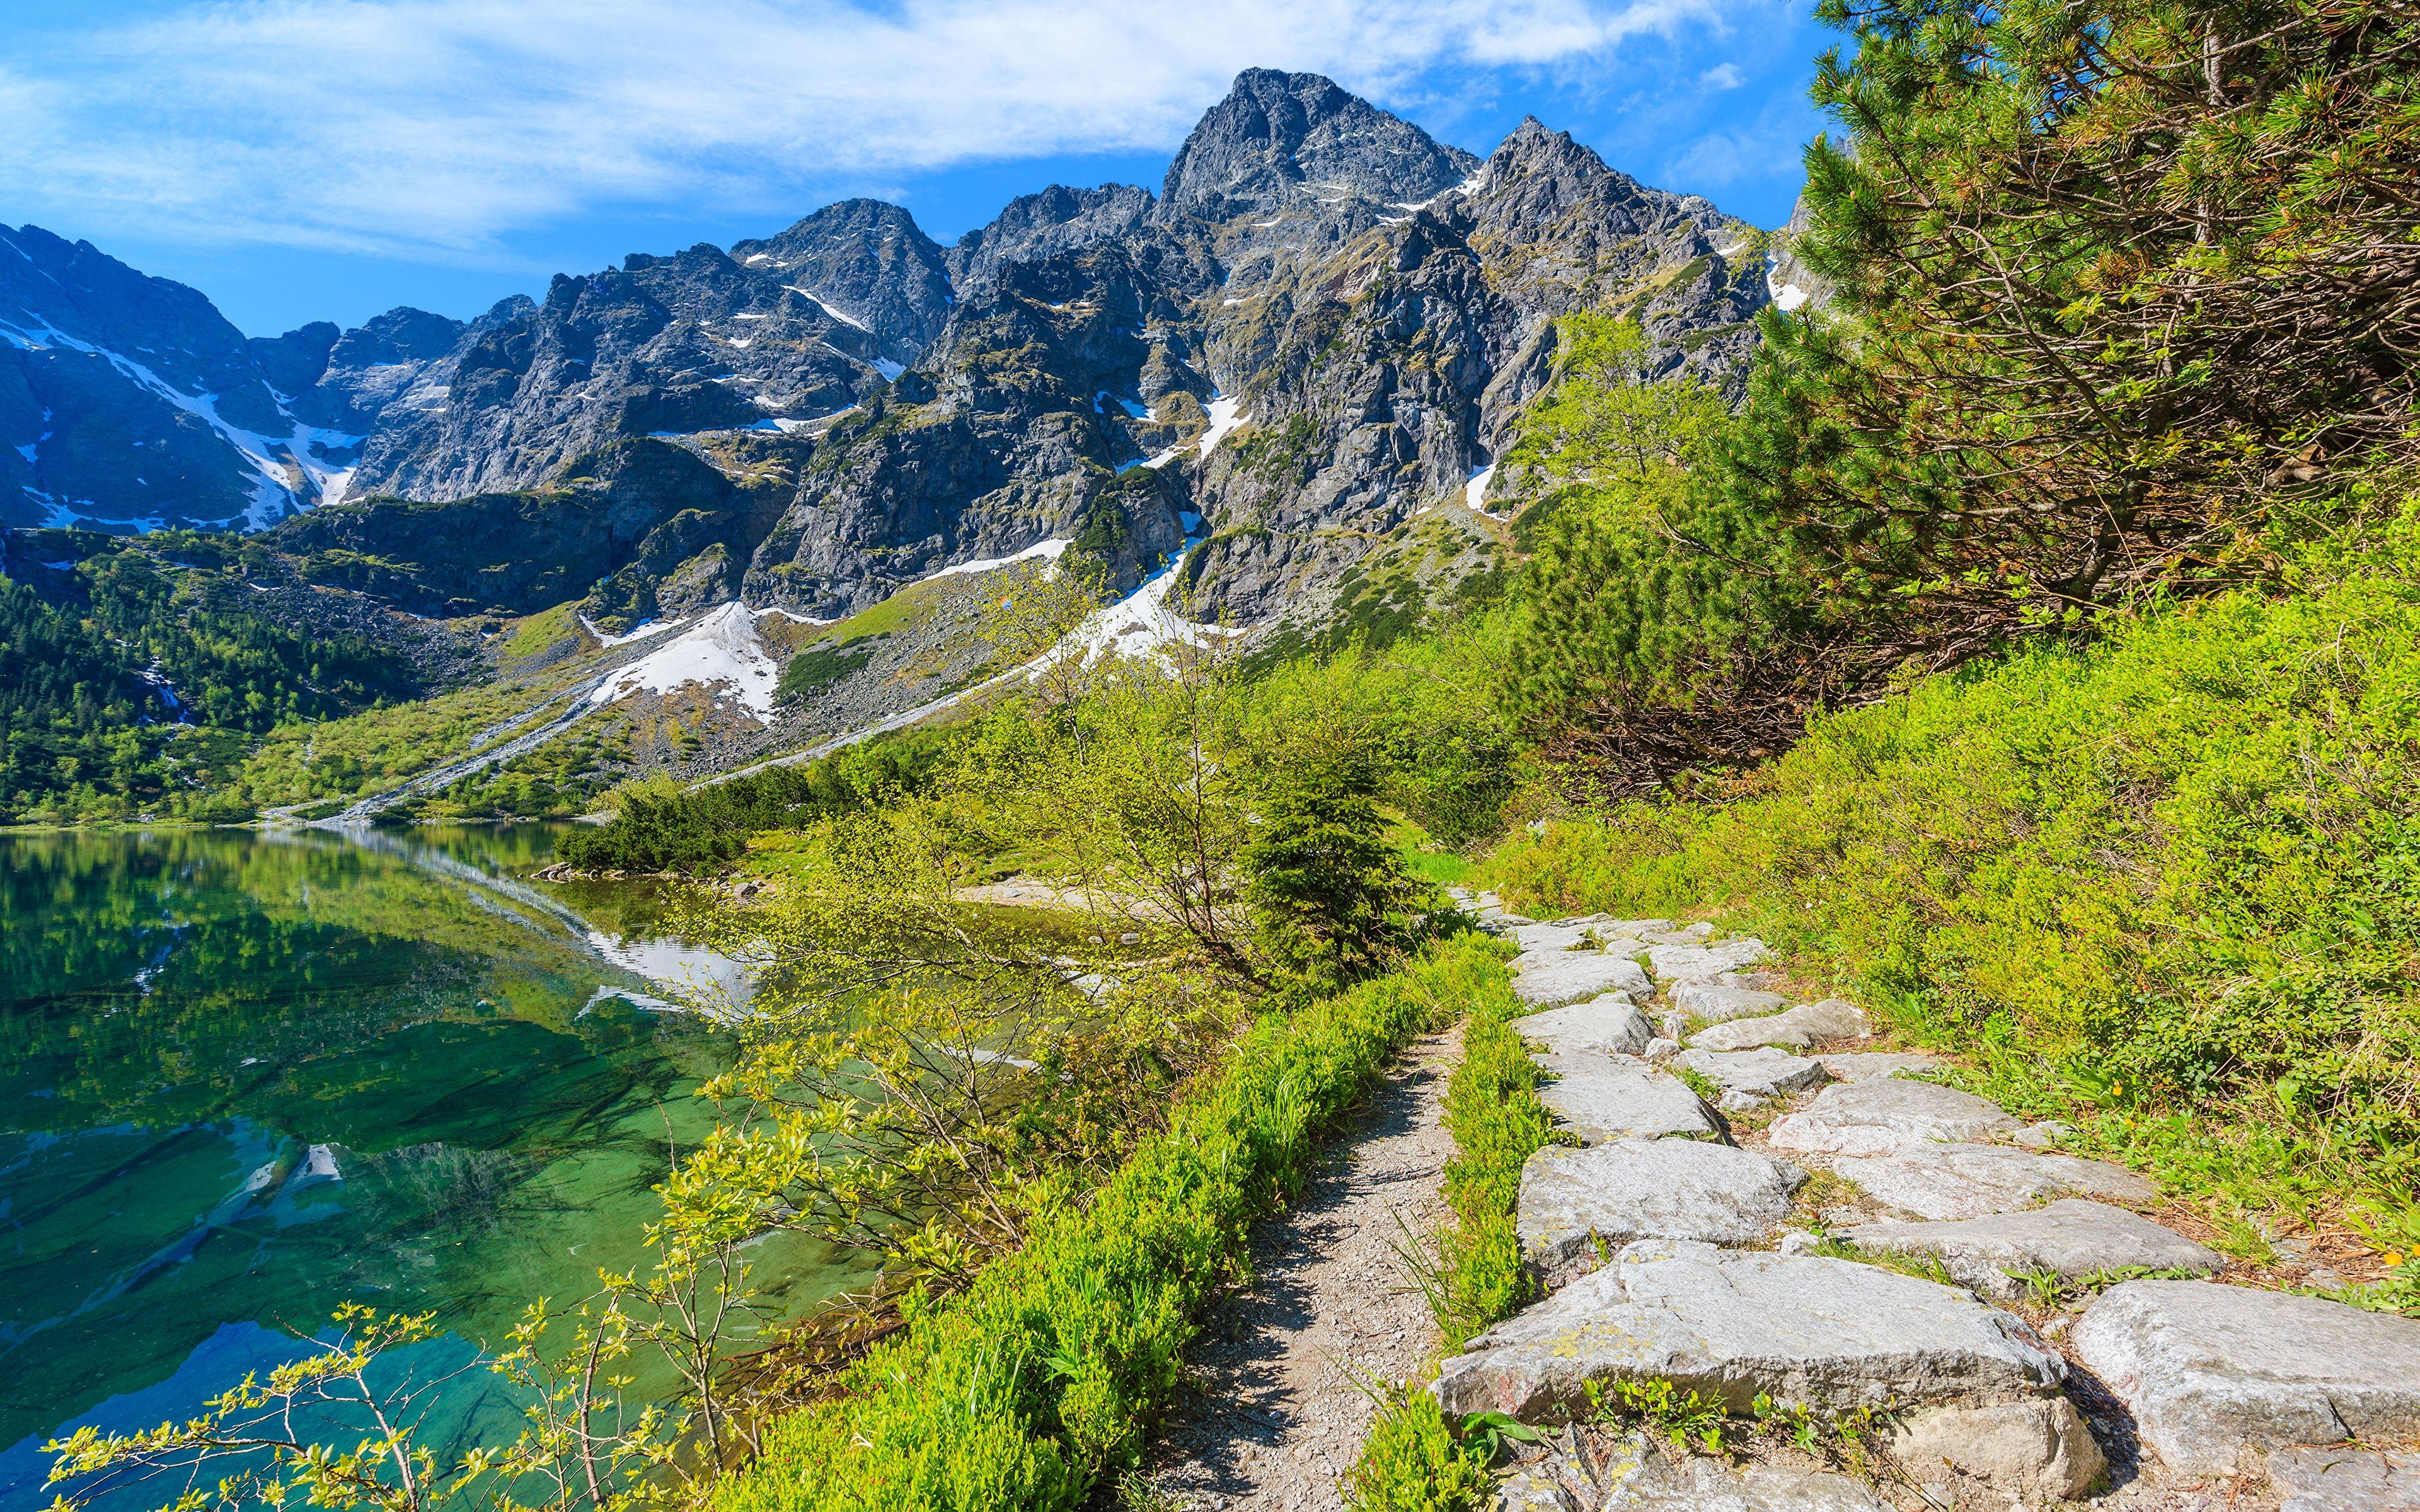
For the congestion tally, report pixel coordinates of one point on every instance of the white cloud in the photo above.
(441, 125)
(1721, 76)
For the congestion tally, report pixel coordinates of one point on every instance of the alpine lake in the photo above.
(247, 1077)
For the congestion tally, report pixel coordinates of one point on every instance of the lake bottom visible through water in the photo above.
(248, 1077)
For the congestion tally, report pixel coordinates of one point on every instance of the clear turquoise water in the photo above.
(247, 1077)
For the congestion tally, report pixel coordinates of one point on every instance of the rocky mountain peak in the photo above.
(1288, 138)
(1051, 224)
(1538, 157)
(869, 264)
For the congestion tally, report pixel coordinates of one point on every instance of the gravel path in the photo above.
(1279, 1416)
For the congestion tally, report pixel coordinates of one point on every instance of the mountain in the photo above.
(129, 402)
(1296, 364)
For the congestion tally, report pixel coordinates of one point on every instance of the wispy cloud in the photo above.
(441, 125)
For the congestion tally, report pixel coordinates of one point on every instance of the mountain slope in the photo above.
(130, 402)
(1306, 351)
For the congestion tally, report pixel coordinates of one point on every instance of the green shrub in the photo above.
(704, 827)
(1411, 1463)
(2164, 889)
(1029, 1387)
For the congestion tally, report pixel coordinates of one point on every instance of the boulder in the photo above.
(1704, 963)
(2215, 1373)
(1600, 1098)
(1883, 1113)
(1827, 1333)
(2071, 1238)
(1810, 1023)
(1716, 1002)
(1754, 1074)
(1951, 1181)
(2345, 1480)
(1576, 1203)
(1858, 1065)
(1550, 979)
(2038, 1448)
(1606, 1023)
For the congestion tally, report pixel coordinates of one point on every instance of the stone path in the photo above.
(1282, 1367)
(1673, 1250)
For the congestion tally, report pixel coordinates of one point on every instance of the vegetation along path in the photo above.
(1286, 1364)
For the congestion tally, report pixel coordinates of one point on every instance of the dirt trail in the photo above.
(1280, 1416)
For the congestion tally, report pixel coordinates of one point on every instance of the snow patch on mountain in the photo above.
(1049, 550)
(722, 649)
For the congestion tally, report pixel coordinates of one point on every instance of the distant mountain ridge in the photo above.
(1356, 311)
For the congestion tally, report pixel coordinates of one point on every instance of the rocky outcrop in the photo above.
(643, 528)
(1055, 223)
(660, 346)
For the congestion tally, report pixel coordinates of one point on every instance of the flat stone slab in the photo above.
(1719, 1002)
(1708, 1484)
(1533, 1490)
(1704, 962)
(1550, 979)
(1879, 1115)
(1953, 1182)
(1858, 1065)
(1574, 1203)
(2345, 1480)
(1831, 1334)
(1608, 1025)
(2213, 1371)
(1810, 1023)
(1599, 1098)
(2070, 1238)
(1754, 1075)
(1555, 936)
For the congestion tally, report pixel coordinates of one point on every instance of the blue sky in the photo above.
(303, 160)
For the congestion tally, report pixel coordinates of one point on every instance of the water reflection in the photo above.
(246, 1077)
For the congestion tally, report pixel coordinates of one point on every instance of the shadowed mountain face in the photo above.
(1323, 327)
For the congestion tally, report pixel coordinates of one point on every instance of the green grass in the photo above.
(1036, 1384)
(1497, 1122)
(2164, 889)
